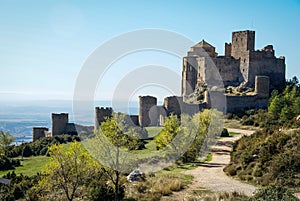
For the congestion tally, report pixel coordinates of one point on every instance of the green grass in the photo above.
(208, 157)
(233, 123)
(29, 166)
(153, 131)
(231, 134)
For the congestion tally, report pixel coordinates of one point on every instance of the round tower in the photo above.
(147, 111)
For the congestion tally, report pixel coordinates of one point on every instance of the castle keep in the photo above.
(238, 67)
(239, 80)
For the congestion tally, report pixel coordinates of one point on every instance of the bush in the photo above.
(17, 187)
(267, 157)
(40, 146)
(225, 133)
(274, 193)
(8, 163)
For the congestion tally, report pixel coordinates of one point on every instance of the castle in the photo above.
(238, 67)
(241, 79)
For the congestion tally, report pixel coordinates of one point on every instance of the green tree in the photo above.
(70, 169)
(275, 107)
(170, 130)
(115, 134)
(207, 126)
(199, 133)
(5, 140)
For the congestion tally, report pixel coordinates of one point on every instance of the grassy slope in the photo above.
(29, 166)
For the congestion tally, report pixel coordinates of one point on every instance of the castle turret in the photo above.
(148, 114)
(101, 114)
(59, 123)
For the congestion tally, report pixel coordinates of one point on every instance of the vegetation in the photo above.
(18, 187)
(283, 109)
(225, 133)
(274, 193)
(267, 157)
(198, 131)
(40, 146)
(67, 173)
(5, 140)
(170, 130)
(29, 166)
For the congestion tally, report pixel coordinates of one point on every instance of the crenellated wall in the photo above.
(101, 114)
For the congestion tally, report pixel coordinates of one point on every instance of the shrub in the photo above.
(8, 163)
(275, 193)
(225, 133)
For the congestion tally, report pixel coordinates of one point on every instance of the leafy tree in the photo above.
(170, 130)
(275, 107)
(114, 135)
(286, 105)
(69, 170)
(199, 133)
(207, 125)
(5, 140)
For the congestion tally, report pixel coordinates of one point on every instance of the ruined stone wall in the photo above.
(266, 64)
(148, 115)
(173, 104)
(101, 114)
(39, 132)
(216, 100)
(134, 119)
(227, 49)
(59, 123)
(229, 70)
(242, 103)
(262, 86)
(176, 105)
(189, 75)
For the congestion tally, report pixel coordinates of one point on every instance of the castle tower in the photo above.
(189, 75)
(101, 114)
(59, 123)
(148, 115)
(262, 86)
(38, 132)
(242, 41)
(227, 49)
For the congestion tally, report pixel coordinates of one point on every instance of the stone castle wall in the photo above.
(148, 111)
(239, 66)
(101, 114)
(59, 123)
(39, 132)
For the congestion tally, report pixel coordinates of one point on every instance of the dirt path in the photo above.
(211, 176)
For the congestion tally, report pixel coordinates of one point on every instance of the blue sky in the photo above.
(43, 44)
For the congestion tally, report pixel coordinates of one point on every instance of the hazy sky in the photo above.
(43, 44)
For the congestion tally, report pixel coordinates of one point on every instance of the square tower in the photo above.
(242, 41)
